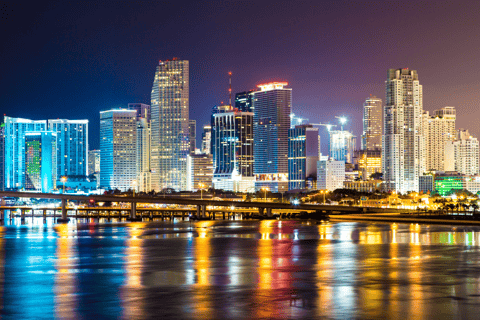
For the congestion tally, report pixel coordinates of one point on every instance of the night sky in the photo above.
(70, 59)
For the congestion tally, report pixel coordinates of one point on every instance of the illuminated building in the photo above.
(118, 135)
(426, 184)
(449, 182)
(2, 157)
(244, 101)
(472, 184)
(15, 129)
(192, 135)
(199, 171)
(272, 105)
(232, 142)
(72, 146)
(437, 130)
(342, 145)
(94, 164)
(462, 155)
(303, 151)
(142, 158)
(40, 161)
(207, 139)
(372, 124)
(363, 186)
(368, 162)
(402, 142)
(170, 130)
(330, 174)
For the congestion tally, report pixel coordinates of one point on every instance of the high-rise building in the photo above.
(368, 162)
(303, 153)
(462, 155)
(244, 101)
(118, 137)
(169, 124)
(2, 157)
(40, 161)
(93, 161)
(233, 150)
(15, 129)
(192, 135)
(72, 146)
(143, 146)
(199, 171)
(402, 142)
(342, 145)
(272, 105)
(372, 124)
(330, 174)
(437, 130)
(207, 139)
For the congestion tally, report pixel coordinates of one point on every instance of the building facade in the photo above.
(118, 137)
(232, 141)
(207, 139)
(462, 155)
(342, 145)
(402, 141)
(72, 146)
(272, 105)
(244, 101)
(303, 152)
(330, 174)
(372, 124)
(199, 172)
(192, 135)
(368, 162)
(170, 126)
(40, 161)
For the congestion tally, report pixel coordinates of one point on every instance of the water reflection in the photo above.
(202, 253)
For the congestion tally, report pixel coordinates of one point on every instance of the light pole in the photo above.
(201, 186)
(324, 192)
(64, 180)
(265, 189)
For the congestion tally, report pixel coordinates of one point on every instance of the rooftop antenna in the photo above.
(230, 88)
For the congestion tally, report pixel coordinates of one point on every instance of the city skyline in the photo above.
(310, 53)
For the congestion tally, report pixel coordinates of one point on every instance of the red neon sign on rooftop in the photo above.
(272, 85)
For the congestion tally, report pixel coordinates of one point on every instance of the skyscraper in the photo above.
(40, 161)
(462, 155)
(272, 105)
(244, 101)
(93, 161)
(207, 139)
(402, 142)
(192, 133)
(15, 130)
(372, 124)
(330, 174)
(2, 157)
(118, 135)
(233, 150)
(72, 146)
(437, 130)
(342, 145)
(170, 134)
(303, 152)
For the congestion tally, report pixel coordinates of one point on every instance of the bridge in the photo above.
(264, 209)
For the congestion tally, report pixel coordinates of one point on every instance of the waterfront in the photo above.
(238, 270)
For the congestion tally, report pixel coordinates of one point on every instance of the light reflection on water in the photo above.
(238, 270)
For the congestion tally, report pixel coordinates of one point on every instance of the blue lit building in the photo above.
(244, 101)
(272, 105)
(40, 161)
(303, 151)
(342, 145)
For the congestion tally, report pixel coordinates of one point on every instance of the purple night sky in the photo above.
(73, 59)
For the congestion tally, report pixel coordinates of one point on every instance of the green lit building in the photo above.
(40, 161)
(446, 184)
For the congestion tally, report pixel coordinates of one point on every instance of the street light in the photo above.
(64, 180)
(134, 185)
(265, 189)
(324, 192)
(201, 186)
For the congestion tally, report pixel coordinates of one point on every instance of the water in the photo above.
(238, 270)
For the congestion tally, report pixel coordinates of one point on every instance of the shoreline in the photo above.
(401, 219)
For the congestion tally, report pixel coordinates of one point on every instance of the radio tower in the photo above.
(230, 88)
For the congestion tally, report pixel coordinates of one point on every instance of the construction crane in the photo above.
(328, 125)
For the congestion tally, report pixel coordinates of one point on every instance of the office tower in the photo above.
(15, 129)
(2, 157)
(272, 105)
(40, 161)
(143, 146)
(342, 145)
(199, 171)
(437, 130)
(207, 139)
(232, 141)
(368, 162)
(93, 161)
(402, 142)
(330, 174)
(244, 101)
(303, 153)
(192, 135)
(72, 146)
(372, 124)
(169, 123)
(462, 155)
(118, 135)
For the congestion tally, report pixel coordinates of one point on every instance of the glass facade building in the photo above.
(72, 146)
(118, 134)
(170, 126)
(372, 124)
(244, 101)
(40, 161)
(342, 145)
(272, 105)
(303, 151)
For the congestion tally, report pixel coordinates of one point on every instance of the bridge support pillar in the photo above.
(269, 213)
(133, 212)
(22, 214)
(64, 218)
(260, 211)
(199, 211)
